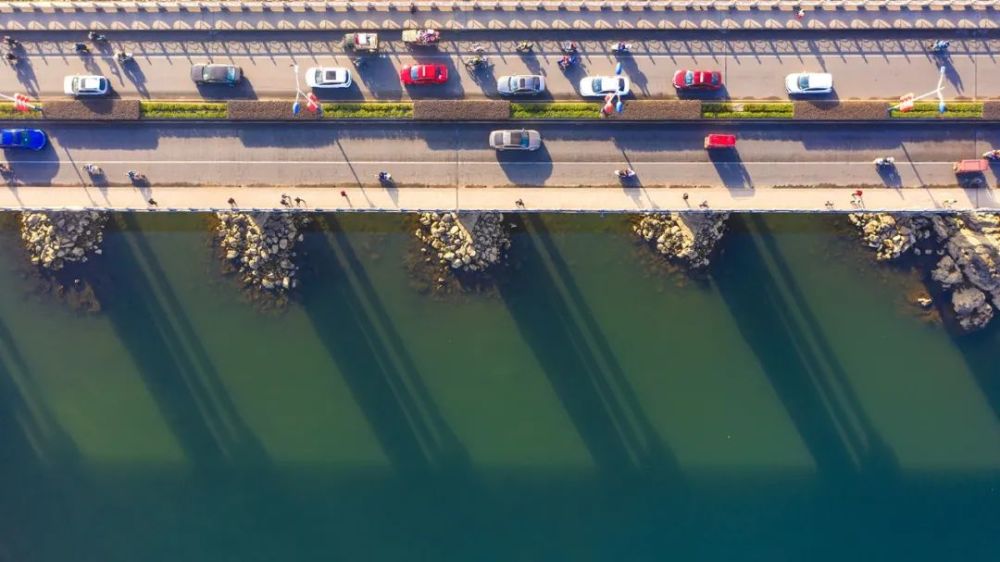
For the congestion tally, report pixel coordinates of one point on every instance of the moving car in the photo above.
(419, 74)
(79, 85)
(32, 139)
(361, 42)
(599, 86)
(809, 83)
(228, 74)
(976, 166)
(328, 77)
(716, 140)
(697, 79)
(515, 139)
(521, 85)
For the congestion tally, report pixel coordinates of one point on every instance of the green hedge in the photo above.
(373, 110)
(782, 110)
(182, 110)
(953, 110)
(555, 110)
(7, 112)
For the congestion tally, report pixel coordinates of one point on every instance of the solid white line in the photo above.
(469, 162)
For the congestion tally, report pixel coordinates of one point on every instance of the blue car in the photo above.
(33, 139)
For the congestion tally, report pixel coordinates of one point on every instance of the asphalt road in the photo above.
(865, 65)
(337, 155)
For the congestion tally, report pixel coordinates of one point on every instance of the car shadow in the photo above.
(713, 95)
(242, 91)
(524, 168)
(730, 168)
(890, 176)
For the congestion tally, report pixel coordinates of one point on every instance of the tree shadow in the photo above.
(360, 337)
(150, 321)
(554, 320)
(132, 72)
(776, 322)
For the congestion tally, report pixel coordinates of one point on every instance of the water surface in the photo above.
(789, 405)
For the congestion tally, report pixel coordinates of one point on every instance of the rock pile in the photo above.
(56, 238)
(686, 237)
(465, 241)
(261, 247)
(890, 235)
(969, 244)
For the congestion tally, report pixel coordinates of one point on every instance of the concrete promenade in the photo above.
(377, 199)
(502, 14)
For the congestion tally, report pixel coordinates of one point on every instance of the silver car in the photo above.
(515, 139)
(228, 74)
(521, 85)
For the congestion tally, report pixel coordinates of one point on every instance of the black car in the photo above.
(228, 74)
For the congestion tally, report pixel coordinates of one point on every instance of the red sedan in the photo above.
(417, 74)
(697, 79)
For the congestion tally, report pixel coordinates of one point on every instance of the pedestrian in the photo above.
(299, 201)
(685, 197)
(343, 194)
(519, 203)
(151, 201)
(829, 204)
(858, 194)
(703, 204)
(800, 14)
(232, 202)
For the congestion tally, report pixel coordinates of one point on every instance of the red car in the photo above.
(423, 74)
(697, 79)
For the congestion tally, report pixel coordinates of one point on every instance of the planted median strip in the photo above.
(738, 110)
(498, 110)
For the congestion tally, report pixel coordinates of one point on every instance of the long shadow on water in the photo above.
(775, 320)
(554, 319)
(150, 321)
(359, 336)
(980, 353)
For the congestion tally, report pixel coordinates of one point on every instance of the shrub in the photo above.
(462, 110)
(375, 110)
(953, 110)
(555, 110)
(841, 111)
(181, 110)
(737, 110)
(93, 110)
(7, 112)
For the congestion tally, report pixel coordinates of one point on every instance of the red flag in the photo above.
(22, 103)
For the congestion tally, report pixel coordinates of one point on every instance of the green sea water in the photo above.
(594, 406)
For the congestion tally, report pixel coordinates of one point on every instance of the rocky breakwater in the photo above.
(689, 238)
(465, 242)
(260, 248)
(55, 239)
(963, 251)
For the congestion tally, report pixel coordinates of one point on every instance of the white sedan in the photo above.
(85, 85)
(600, 86)
(328, 77)
(809, 83)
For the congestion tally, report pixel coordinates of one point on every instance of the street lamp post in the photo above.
(312, 103)
(906, 102)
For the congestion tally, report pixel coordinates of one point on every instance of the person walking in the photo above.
(299, 201)
(231, 201)
(152, 202)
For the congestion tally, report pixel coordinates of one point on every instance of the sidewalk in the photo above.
(612, 200)
(503, 15)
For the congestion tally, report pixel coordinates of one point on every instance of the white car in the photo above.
(328, 77)
(600, 86)
(809, 83)
(85, 85)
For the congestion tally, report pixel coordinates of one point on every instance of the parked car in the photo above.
(328, 77)
(521, 85)
(420, 74)
(228, 74)
(32, 139)
(515, 139)
(599, 86)
(697, 79)
(809, 83)
(79, 85)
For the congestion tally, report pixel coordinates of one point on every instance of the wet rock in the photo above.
(260, 246)
(890, 235)
(55, 238)
(466, 241)
(686, 237)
